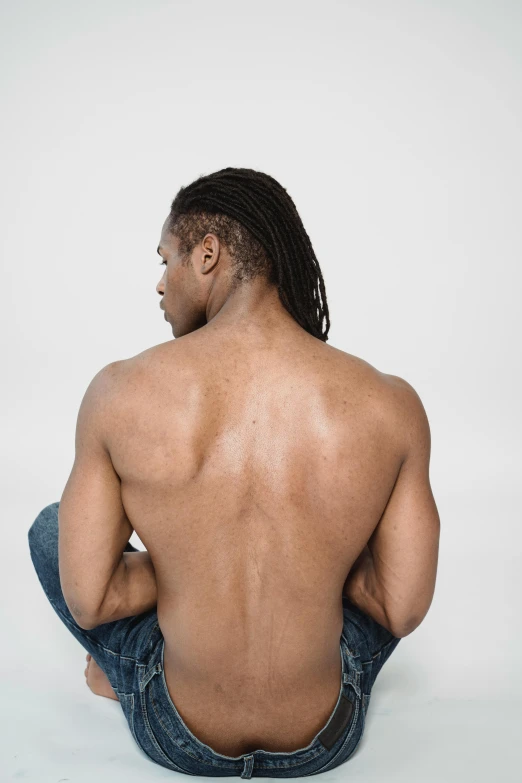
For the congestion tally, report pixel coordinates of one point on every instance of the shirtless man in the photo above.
(266, 473)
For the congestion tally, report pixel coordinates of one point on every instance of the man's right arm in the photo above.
(394, 577)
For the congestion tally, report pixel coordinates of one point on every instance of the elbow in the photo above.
(87, 624)
(405, 628)
(403, 624)
(83, 618)
(403, 631)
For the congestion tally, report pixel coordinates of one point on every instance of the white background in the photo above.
(396, 128)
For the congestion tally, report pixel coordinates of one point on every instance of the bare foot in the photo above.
(97, 680)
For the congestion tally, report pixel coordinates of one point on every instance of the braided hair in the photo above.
(258, 222)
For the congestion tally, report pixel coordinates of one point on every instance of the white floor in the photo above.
(446, 707)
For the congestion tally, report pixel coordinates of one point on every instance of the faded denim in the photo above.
(130, 651)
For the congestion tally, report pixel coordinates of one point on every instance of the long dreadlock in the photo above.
(258, 221)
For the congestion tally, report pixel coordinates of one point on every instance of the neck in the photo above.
(252, 305)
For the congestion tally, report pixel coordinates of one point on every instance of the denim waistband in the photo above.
(176, 746)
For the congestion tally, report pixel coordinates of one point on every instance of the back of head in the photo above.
(258, 222)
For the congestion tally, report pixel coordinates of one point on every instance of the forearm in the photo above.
(363, 589)
(132, 590)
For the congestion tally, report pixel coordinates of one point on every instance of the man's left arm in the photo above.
(100, 581)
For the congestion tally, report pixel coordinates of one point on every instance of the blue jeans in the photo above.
(130, 652)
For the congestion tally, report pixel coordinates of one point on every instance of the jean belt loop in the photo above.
(354, 674)
(248, 765)
(149, 674)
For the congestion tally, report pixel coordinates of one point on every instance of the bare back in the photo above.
(254, 474)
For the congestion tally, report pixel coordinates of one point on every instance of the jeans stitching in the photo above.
(130, 719)
(383, 648)
(184, 750)
(152, 737)
(346, 740)
(149, 645)
(299, 763)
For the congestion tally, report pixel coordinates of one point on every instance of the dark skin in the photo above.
(257, 465)
(200, 291)
(193, 294)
